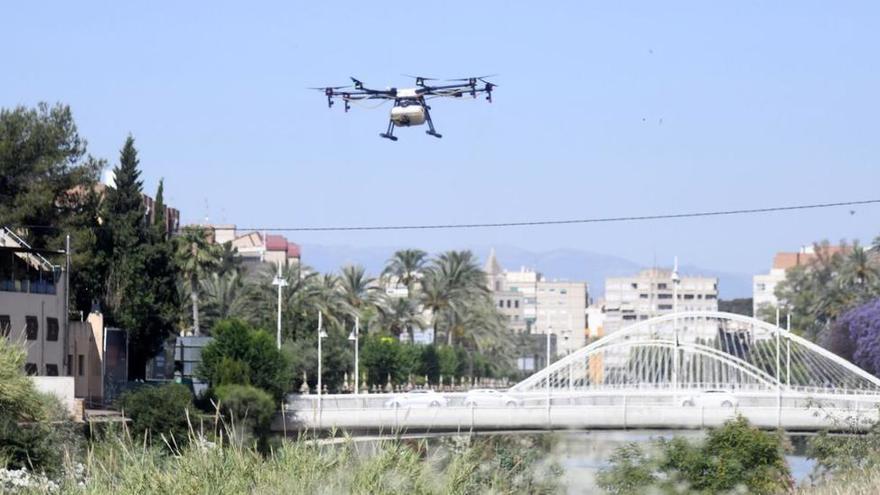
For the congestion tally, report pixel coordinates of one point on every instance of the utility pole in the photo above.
(353, 337)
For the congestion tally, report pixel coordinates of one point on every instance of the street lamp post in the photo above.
(280, 283)
(321, 336)
(353, 337)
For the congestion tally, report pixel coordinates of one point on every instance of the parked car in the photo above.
(487, 397)
(417, 398)
(711, 398)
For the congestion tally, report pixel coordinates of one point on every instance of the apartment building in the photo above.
(533, 304)
(764, 285)
(651, 293)
(33, 305)
(256, 248)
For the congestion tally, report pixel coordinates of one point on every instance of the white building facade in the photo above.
(651, 293)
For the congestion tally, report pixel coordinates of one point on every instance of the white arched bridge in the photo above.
(682, 370)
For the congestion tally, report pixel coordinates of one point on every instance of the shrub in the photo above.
(235, 341)
(157, 411)
(248, 408)
(734, 457)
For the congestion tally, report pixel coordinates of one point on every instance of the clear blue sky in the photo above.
(762, 104)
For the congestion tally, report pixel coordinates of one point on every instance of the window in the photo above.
(664, 306)
(563, 291)
(516, 304)
(761, 286)
(81, 365)
(664, 296)
(31, 326)
(500, 303)
(629, 317)
(52, 330)
(643, 296)
(508, 303)
(661, 286)
(634, 285)
(688, 296)
(30, 368)
(5, 326)
(51, 370)
(70, 365)
(710, 296)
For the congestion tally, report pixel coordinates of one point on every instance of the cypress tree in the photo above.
(138, 289)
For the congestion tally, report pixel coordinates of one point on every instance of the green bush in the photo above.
(247, 406)
(158, 411)
(736, 456)
(249, 350)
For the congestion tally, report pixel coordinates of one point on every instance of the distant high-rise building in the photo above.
(651, 293)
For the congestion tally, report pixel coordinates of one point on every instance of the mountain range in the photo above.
(562, 264)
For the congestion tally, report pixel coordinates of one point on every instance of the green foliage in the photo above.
(382, 357)
(632, 472)
(231, 371)
(157, 411)
(740, 306)
(140, 293)
(234, 340)
(734, 457)
(248, 408)
(833, 282)
(196, 258)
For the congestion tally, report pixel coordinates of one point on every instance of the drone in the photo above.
(410, 104)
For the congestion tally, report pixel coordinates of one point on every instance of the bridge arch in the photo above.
(699, 350)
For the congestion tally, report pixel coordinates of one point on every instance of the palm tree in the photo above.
(858, 271)
(399, 315)
(455, 281)
(229, 260)
(224, 297)
(196, 257)
(406, 265)
(357, 290)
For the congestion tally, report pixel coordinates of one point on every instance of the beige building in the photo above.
(651, 293)
(534, 305)
(33, 307)
(764, 285)
(256, 248)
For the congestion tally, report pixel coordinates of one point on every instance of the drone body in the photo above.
(410, 104)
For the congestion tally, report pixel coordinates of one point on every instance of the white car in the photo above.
(711, 398)
(417, 398)
(486, 397)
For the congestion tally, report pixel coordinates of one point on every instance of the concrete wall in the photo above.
(59, 386)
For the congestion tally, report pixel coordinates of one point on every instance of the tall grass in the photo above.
(122, 465)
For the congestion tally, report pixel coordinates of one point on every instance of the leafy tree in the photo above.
(857, 336)
(267, 368)
(741, 306)
(196, 257)
(43, 166)
(139, 295)
(381, 358)
(158, 411)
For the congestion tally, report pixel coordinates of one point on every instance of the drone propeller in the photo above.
(475, 78)
(330, 87)
(420, 81)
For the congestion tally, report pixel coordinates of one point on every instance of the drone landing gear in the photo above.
(389, 134)
(430, 131)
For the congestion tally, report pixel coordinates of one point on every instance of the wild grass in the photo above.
(119, 464)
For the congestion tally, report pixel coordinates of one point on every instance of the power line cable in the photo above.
(670, 216)
(536, 223)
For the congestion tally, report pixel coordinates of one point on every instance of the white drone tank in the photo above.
(408, 115)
